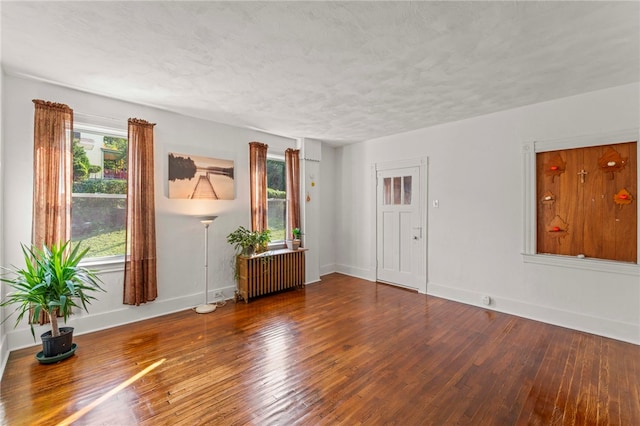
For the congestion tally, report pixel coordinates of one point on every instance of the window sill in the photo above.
(274, 252)
(104, 264)
(599, 265)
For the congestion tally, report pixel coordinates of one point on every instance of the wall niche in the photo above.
(587, 202)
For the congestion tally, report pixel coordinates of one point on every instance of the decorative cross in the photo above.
(582, 174)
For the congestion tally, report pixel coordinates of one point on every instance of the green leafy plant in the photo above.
(105, 186)
(276, 194)
(296, 233)
(51, 281)
(248, 242)
(263, 240)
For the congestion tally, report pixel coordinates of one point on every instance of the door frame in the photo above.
(422, 164)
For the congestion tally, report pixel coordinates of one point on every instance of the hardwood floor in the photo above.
(344, 351)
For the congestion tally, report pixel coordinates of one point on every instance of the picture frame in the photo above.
(198, 177)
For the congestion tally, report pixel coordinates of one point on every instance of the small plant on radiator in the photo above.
(294, 243)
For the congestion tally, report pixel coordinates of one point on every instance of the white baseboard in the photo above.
(627, 332)
(86, 323)
(364, 274)
(327, 269)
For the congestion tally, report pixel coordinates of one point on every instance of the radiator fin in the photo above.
(268, 273)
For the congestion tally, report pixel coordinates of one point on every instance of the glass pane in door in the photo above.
(387, 191)
(407, 189)
(397, 190)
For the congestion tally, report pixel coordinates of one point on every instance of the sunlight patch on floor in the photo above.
(78, 414)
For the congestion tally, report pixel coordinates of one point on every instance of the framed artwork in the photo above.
(196, 177)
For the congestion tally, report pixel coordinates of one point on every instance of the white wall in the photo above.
(180, 236)
(328, 188)
(4, 347)
(310, 205)
(475, 236)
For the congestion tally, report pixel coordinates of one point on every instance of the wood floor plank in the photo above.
(343, 351)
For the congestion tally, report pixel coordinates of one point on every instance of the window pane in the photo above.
(397, 188)
(387, 191)
(276, 199)
(407, 189)
(98, 212)
(98, 221)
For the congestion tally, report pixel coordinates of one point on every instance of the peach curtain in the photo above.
(140, 279)
(52, 173)
(52, 176)
(292, 172)
(258, 182)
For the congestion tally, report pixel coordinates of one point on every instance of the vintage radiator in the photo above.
(269, 272)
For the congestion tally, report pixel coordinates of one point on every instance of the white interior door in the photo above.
(399, 230)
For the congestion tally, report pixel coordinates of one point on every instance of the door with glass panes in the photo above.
(399, 231)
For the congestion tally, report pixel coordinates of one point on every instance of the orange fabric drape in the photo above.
(292, 172)
(52, 176)
(140, 279)
(258, 182)
(52, 173)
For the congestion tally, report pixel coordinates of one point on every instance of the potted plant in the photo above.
(294, 243)
(53, 282)
(249, 242)
(246, 243)
(262, 240)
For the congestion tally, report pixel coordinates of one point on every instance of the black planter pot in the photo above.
(54, 346)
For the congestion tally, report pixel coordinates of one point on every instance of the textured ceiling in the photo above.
(335, 71)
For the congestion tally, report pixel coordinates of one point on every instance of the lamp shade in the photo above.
(206, 220)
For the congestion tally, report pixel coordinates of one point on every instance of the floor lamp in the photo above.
(206, 307)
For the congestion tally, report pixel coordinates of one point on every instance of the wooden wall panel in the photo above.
(545, 187)
(570, 203)
(625, 224)
(607, 239)
(582, 216)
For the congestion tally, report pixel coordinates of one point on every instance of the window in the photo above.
(276, 198)
(98, 213)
